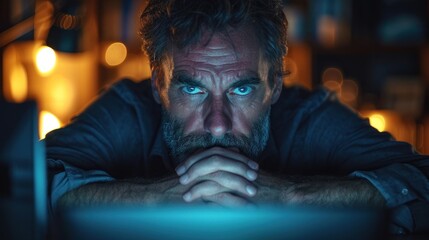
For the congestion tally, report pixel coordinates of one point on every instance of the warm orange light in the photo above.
(350, 90)
(292, 69)
(47, 123)
(45, 60)
(18, 83)
(333, 74)
(378, 122)
(115, 54)
(328, 31)
(60, 95)
(333, 86)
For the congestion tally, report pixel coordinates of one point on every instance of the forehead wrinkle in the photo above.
(213, 52)
(220, 58)
(220, 61)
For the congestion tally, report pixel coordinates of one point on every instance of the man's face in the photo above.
(217, 93)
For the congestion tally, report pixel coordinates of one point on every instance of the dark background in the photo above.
(381, 47)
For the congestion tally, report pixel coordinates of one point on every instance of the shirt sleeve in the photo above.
(72, 178)
(103, 143)
(399, 184)
(346, 143)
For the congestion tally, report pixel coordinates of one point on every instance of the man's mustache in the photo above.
(193, 143)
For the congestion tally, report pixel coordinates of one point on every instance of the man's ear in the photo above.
(277, 89)
(154, 83)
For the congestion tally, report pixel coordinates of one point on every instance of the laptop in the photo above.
(199, 222)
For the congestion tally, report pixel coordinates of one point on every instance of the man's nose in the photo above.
(218, 118)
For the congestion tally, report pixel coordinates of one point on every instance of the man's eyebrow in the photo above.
(186, 80)
(246, 81)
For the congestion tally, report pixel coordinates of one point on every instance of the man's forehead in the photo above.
(238, 41)
(221, 58)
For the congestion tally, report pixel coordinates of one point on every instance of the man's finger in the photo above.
(229, 181)
(217, 163)
(227, 199)
(182, 168)
(204, 188)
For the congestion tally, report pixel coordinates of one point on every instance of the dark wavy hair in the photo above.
(182, 23)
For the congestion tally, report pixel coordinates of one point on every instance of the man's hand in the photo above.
(220, 176)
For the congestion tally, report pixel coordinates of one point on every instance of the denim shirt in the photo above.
(118, 136)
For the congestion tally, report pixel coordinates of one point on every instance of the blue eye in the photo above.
(192, 90)
(242, 91)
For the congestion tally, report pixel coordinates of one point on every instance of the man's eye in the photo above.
(242, 91)
(191, 90)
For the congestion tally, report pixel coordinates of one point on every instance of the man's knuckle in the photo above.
(218, 175)
(212, 184)
(222, 196)
(191, 172)
(216, 161)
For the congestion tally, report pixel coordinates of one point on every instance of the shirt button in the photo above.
(404, 191)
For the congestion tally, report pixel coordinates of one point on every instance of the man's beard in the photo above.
(181, 146)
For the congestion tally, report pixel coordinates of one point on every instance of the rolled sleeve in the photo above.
(398, 184)
(72, 178)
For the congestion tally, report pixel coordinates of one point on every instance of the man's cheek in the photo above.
(242, 124)
(193, 123)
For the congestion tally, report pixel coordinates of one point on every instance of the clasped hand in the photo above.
(220, 176)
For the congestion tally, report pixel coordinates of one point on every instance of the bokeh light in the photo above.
(350, 90)
(18, 83)
(47, 123)
(115, 54)
(332, 79)
(45, 60)
(60, 94)
(332, 74)
(378, 122)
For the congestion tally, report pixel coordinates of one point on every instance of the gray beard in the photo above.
(181, 147)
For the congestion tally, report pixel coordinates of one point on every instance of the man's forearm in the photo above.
(322, 190)
(130, 191)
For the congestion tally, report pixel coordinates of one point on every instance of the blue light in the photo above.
(199, 222)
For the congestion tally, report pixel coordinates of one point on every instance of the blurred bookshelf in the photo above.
(373, 54)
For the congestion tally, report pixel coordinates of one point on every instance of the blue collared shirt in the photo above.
(118, 136)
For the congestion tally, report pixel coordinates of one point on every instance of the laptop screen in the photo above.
(198, 222)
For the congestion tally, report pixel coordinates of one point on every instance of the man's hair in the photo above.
(183, 22)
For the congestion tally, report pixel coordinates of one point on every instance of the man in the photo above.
(221, 129)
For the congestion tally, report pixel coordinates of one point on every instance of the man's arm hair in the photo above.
(128, 191)
(312, 190)
(320, 190)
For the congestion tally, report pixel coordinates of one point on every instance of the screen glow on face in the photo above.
(242, 91)
(192, 90)
(242, 87)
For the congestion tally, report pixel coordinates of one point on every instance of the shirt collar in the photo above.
(270, 155)
(159, 150)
